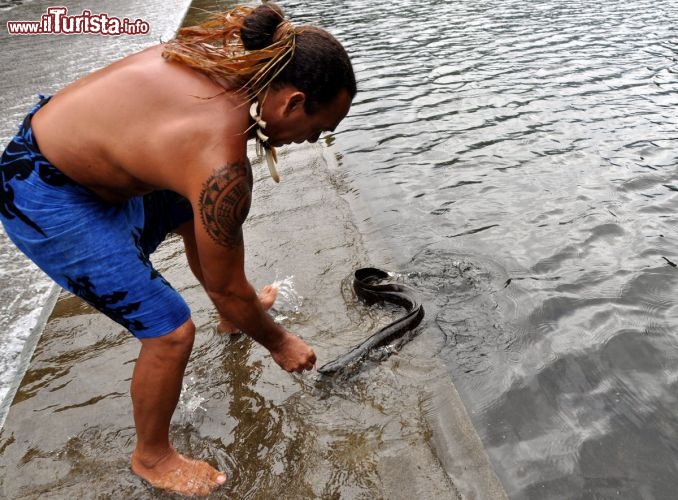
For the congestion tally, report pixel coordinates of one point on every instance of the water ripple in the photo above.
(541, 134)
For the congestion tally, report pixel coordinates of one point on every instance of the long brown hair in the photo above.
(253, 48)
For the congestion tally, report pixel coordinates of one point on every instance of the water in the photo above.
(519, 160)
(44, 64)
(288, 302)
(516, 161)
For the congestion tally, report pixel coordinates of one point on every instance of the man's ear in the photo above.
(295, 101)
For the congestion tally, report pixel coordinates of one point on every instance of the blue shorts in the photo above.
(97, 250)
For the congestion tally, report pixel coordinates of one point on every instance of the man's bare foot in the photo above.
(179, 474)
(267, 297)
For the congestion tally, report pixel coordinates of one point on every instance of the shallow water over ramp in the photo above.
(276, 435)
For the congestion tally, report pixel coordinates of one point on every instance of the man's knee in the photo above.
(184, 335)
(178, 341)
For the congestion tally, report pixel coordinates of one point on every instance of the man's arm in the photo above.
(221, 202)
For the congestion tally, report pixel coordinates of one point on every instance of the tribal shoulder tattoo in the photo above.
(225, 202)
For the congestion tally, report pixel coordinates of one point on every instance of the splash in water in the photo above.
(288, 302)
(190, 408)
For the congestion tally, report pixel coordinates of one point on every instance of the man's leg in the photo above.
(267, 294)
(156, 386)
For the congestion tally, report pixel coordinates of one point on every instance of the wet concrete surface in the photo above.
(390, 431)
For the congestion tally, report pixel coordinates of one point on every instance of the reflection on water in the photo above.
(8, 4)
(519, 159)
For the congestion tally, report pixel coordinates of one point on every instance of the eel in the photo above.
(367, 287)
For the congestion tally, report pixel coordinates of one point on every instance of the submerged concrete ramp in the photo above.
(389, 432)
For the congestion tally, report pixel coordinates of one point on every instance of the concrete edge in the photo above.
(458, 447)
(27, 351)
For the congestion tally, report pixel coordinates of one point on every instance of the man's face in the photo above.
(292, 124)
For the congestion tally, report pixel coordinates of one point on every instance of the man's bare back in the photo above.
(139, 125)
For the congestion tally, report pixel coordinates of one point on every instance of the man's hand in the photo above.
(293, 354)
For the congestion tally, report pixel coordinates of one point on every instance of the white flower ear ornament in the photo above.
(262, 144)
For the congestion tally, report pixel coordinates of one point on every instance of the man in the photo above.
(155, 143)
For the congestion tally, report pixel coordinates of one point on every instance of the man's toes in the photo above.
(267, 296)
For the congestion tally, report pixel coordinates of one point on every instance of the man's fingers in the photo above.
(311, 361)
(301, 368)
